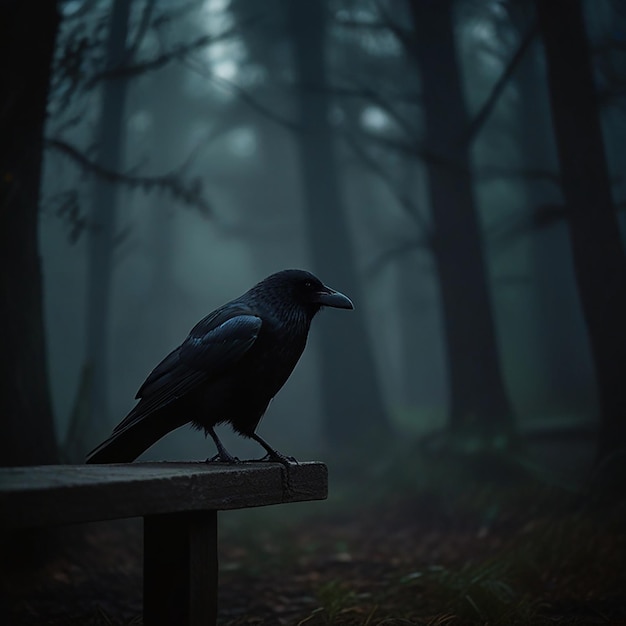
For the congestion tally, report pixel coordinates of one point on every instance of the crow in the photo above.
(232, 363)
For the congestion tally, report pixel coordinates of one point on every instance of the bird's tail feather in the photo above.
(125, 445)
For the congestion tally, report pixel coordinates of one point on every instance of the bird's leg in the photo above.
(285, 461)
(223, 455)
(273, 455)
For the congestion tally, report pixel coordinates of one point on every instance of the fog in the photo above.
(209, 200)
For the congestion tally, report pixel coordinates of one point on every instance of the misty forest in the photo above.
(455, 167)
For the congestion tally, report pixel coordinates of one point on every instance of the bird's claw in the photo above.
(277, 457)
(223, 458)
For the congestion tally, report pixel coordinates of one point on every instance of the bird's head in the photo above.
(305, 290)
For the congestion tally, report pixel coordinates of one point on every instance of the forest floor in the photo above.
(434, 551)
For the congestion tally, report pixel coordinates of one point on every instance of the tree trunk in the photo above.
(599, 260)
(560, 348)
(479, 405)
(352, 402)
(423, 389)
(102, 229)
(28, 32)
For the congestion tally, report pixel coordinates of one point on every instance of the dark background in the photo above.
(455, 167)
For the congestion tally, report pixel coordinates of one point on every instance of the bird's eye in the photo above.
(308, 284)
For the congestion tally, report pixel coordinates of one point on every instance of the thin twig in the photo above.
(177, 53)
(190, 193)
(245, 97)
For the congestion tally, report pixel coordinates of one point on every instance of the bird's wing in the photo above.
(212, 347)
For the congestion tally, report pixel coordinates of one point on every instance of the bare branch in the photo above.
(178, 53)
(81, 11)
(485, 111)
(245, 97)
(175, 10)
(253, 103)
(189, 193)
(402, 34)
(71, 122)
(66, 205)
(142, 29)
(377, 99)
(414, 150)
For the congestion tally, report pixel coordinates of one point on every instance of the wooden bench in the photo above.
(179, 504)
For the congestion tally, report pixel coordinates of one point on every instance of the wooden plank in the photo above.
(65, 494)
(180, 569)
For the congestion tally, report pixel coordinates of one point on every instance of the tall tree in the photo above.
(599, 259)
(352, 399)
(28, 32)
(479, 404)
(559, 344)
(110, 137)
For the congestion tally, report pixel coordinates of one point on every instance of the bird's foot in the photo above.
(223, 457)
(277, 457)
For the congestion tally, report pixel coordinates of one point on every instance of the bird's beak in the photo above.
(332, 298)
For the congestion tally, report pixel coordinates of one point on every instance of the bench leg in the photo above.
(180, 569)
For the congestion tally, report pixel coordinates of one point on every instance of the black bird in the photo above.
(231, 365)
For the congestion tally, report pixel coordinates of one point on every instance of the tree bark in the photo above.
(599, 259)
(352, 401)
(479, 404)
(28, 32)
